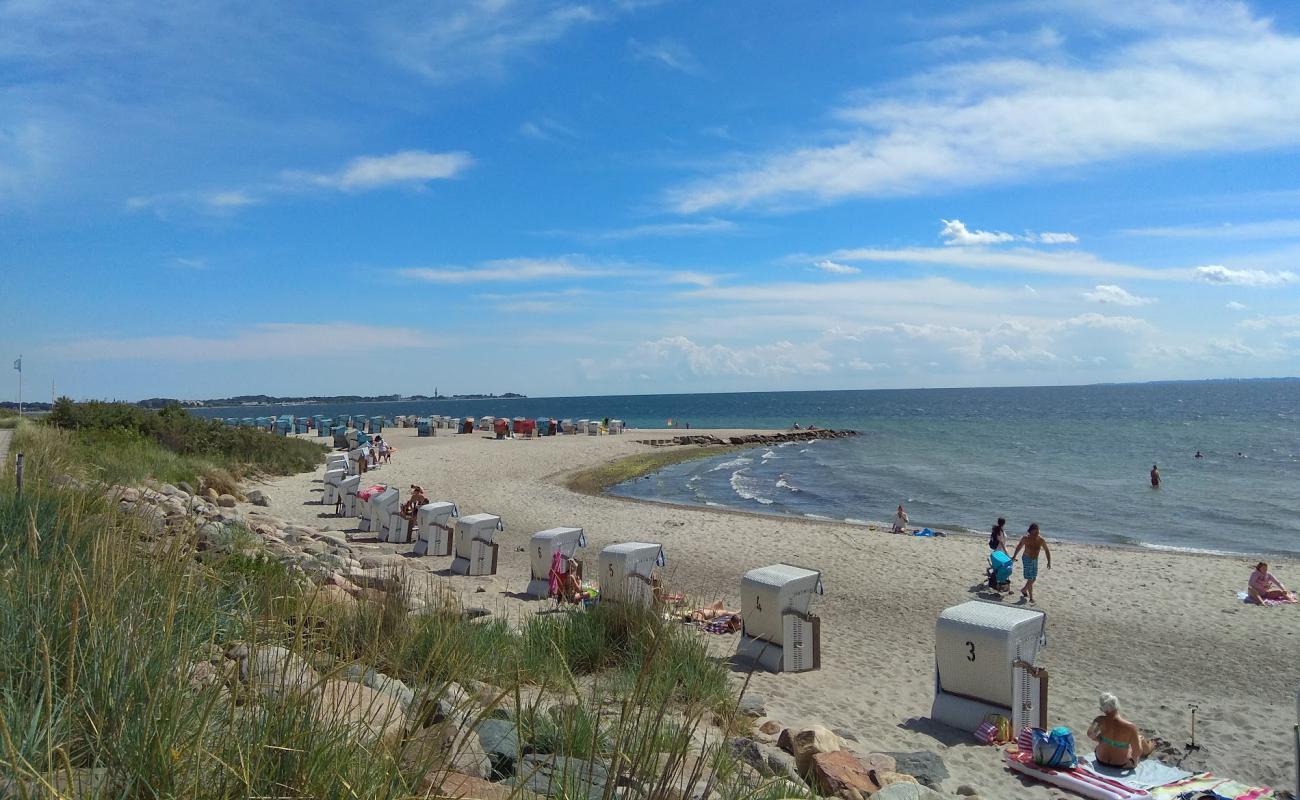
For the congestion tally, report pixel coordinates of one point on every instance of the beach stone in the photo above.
(334, 539)
(840, 774)
(500, 740)
(966, 790)
(185, 487)
(378, 560)
(555, 776)
(379, 681)
(927, 767)
(371, 715)
(227, 501)
(258, 498)
(907, 791)
(167, 490)
(752, 705)
(806, 743)
(771, 727)
(274, 671)
(447, 747)
(129, 494)
(454, 785)
(766, 759)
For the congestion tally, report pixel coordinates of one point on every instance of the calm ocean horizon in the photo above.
(1075, 459)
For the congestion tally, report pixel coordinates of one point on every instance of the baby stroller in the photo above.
(999, 571)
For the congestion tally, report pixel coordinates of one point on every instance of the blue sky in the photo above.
(207, 199)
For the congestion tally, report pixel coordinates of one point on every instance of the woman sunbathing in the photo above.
(709, 612)
(1118, 742)
(1263, 586)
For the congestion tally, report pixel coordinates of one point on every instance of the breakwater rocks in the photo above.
(752, 438)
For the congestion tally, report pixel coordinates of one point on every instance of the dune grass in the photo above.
(103, 623)
(116, 443)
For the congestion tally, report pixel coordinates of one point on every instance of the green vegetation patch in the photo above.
(120, 443)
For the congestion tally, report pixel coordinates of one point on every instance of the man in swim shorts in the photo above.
(1033, 543)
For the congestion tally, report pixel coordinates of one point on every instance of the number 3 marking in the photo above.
(971, 657)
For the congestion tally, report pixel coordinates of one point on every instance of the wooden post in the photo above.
(18, 473)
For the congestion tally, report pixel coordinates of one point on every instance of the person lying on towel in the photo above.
(1118, 742)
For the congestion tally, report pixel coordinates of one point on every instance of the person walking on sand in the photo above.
(900, 520)
(1033, 543)
(998, 538)
(1155, 477)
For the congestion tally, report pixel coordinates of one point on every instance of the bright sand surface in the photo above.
(1159, 629)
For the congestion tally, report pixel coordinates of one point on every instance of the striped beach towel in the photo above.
(1210, 782)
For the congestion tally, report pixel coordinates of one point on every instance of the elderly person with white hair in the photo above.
(1118, 742)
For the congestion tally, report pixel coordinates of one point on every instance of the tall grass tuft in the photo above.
(113, 676)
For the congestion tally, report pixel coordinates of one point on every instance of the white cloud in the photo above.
(1233, 305)
(1258, 278)
(509, 269)
(691, 278)
(955, 233)
(666, 52)
(1266, 323)
(195, 264)
(475, 40)
(1229, 87)
(364, 173)
(826, 265)
(1010, 260)
(406, 168)
(1109, 294)
(658, 230)
(680, 355)
(1102, 322)
(1264, 229)
(546, 129)
(260, 342)
(1055, 238)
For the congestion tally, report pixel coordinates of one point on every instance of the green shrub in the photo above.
(120, 443)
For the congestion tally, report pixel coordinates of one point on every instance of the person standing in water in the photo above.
(1155, 477)
(1033, 543)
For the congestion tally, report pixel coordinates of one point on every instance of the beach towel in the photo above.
(1245, 598)
(924, 532)
(1210, 782)
(727, 623)
(1148, 774)
(1081, 780)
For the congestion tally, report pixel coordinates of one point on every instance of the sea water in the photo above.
(1073, 459)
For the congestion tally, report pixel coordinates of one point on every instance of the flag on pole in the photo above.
(18, 363)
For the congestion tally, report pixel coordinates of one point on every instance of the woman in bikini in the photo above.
(1263, 586)
(1118, 742)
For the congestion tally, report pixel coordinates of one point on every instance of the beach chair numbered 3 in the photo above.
(971, 651)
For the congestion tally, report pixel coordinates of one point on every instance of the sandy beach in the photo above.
(1162, 630)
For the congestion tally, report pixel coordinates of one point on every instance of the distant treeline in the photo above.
(269, 400)
(26, 406)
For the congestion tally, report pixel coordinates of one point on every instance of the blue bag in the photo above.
(1055, 749)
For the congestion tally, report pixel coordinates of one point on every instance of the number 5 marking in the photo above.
(971, 657)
